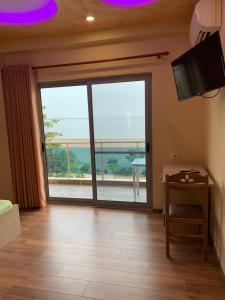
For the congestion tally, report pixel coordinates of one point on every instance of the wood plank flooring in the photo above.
(84, 253)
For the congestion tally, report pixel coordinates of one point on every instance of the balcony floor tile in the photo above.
(106, 192)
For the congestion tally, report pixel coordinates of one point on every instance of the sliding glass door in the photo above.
(67, 142)
(120, 140)
(97, 140)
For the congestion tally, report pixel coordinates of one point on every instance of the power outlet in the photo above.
(174, 156)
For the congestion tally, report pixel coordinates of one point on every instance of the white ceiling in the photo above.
(72, 13)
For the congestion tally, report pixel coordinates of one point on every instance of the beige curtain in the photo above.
(22, 115)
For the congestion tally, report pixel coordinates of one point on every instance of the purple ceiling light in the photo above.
(26, 12)
(129, 3)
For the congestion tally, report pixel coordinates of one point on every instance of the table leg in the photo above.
(137, 177)
(134, 182)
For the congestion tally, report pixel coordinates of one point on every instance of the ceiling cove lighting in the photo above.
(129, 3)
(26, 12)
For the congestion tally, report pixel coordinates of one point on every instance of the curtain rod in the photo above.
(157, 54)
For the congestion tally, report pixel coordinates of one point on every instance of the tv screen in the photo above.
(201, 69)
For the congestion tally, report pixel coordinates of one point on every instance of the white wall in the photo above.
(215, 159)
(177, 127)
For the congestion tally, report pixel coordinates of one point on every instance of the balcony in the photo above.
(70, 173)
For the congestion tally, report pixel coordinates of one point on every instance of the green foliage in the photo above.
(58, 166)
(50, 136)
(131, 156)
(114, 167)
(57, 155)
(127, 171)
(78, 167)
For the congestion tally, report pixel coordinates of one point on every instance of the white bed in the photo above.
(9, 225)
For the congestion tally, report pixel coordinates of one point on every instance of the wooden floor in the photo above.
(81, 253)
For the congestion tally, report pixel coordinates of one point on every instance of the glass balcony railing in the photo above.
(71, 159)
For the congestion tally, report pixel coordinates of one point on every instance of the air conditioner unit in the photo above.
(206, 19)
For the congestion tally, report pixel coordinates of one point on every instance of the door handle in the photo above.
(43, 147)
(147, 147)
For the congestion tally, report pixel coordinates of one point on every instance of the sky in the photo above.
(118, 110)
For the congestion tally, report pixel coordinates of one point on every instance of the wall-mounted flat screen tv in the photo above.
(201, 69)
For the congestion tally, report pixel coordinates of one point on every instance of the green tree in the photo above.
(51, 148)
(50, 135)
(57, 154)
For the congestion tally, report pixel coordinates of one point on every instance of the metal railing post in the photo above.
(68, 159)
(138, 146)
(102, 161)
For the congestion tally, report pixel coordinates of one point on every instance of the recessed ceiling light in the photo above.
(129, 3)
(24, 12)
(90, 18)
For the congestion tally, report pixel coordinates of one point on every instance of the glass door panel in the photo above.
(120, 140)
(67, 141)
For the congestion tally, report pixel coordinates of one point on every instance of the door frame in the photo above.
(147, 77)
